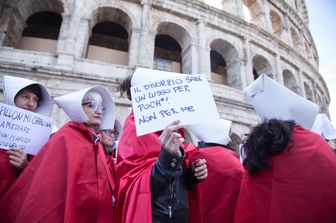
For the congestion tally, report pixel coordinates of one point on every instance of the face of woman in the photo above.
(27, 100)
(94, 112)
(109, 136)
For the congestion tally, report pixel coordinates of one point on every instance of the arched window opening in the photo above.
(225, 64)
(167, 54)
(308, 91)
(218, 68)
(308, 51)
(177, 40)
(252, 12)
(295, 39)
(41, 33)
(276, 23)
(290, 81)
(261, 66)
(109, 43)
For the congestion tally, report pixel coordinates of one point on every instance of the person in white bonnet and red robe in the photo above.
(290, 171)
(29, 95)
(219, 192)
(68, 180)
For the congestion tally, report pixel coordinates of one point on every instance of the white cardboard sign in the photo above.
(23, 129)
(161, 101)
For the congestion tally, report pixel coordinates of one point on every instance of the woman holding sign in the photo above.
(68, 180)
(31, 96)
(154, 174)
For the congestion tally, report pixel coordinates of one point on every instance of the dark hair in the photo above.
(267, 139)
(125, 87)
(33, 88)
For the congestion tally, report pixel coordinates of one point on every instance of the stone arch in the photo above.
(290, 81)
(255, 12)
(295, 38)
(261, 66)
(110, 32)
(277, 24)
(179, 34)
(226, 71)
(24, 9)
(308, 91)
(308, 50)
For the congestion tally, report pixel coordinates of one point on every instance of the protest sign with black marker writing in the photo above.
(177, 96)
(23, 129)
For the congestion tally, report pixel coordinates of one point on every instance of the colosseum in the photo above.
(72, 44)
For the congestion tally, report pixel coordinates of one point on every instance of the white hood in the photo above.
(12, 85)
(118, 126)
(273, 100)
(72, 106)
(215, 132)
(324, 127)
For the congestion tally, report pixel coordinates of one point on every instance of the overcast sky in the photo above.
(322, 19)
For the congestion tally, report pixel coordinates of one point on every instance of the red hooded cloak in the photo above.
(136, 157)
(67, 181)
(221, 188)
(300, 186)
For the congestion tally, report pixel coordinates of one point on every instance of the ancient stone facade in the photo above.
(73, 44)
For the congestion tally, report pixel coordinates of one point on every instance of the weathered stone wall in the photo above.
(276, 41)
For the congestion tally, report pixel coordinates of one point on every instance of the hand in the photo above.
(170, 139)
(200, 169)
(18, 158)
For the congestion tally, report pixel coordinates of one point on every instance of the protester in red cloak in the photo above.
(290, 176)
(136, 157)
(31, 96)
(110, 139)
(151, 178)
(68, 180)
(221, 188)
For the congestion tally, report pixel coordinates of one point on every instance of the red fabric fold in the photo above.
(8, 173)
(65, 182)
(221, 188)
(136, 156)
(300, 187)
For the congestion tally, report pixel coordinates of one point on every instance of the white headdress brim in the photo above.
(72, 106)
(215, 132)
(273, 100)
(12, 85)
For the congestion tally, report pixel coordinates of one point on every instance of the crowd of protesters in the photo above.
(96, 169)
